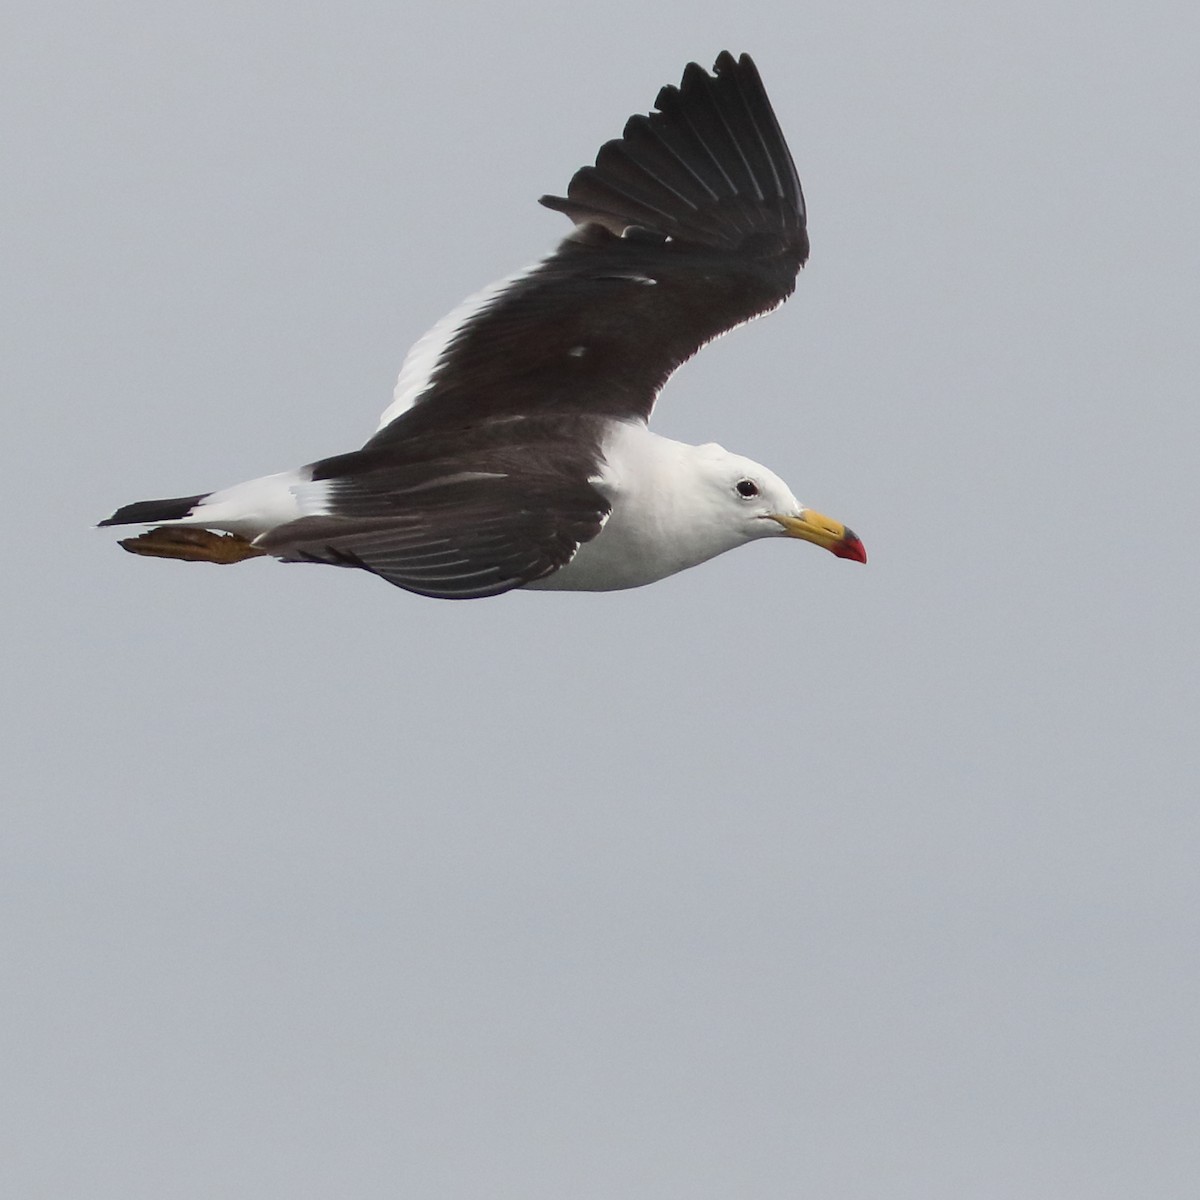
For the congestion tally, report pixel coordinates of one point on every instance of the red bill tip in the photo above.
(850, 547)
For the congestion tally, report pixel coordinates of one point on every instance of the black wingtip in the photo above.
(710, 167)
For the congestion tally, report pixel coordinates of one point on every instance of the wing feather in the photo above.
(480, 478)
(699, 198)
(474, 518)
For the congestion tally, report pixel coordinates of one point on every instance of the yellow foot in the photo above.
(191, 545)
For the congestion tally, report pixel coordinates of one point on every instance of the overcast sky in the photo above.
(783, 877)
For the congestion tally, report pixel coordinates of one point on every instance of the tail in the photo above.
(173, 536)
(150, 512)
(710, 167)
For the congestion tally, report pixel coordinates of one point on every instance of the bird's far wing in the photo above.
(689, 224)
(454, 517)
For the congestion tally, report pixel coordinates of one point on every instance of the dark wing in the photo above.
(689, 224)
(455, 517)
(480, 479)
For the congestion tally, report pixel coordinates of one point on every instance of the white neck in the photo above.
(657, 525)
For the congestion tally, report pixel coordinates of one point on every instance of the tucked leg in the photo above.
(191, 545)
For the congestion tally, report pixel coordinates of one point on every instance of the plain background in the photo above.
(784, 877)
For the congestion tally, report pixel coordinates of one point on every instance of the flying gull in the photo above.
(516, 452)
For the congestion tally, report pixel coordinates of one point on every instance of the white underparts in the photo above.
(662, 518)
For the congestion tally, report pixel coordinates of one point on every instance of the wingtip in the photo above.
(710, 166)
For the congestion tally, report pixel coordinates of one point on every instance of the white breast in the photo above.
(662, 519)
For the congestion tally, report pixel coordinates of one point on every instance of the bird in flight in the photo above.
(516, 452)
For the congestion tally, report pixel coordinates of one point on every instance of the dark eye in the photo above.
(747, 489)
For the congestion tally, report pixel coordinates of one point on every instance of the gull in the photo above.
(516, 452)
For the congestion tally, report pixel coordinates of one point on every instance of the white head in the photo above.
(676, 505)
(750, 501)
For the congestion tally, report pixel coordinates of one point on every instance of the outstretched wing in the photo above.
(689, 224)
(482, 476)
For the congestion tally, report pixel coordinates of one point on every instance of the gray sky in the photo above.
(781, 877)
